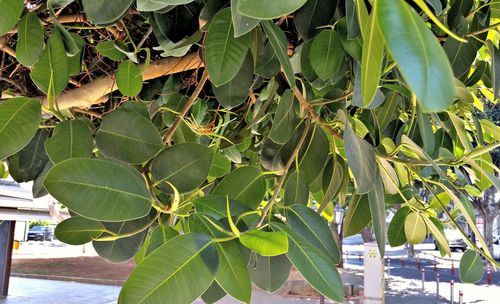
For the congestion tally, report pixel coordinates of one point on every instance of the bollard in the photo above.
(403, 261)
(460, 297)
(435, 265)
(388, 267)
(321, 299)
(452, 283)
(359, 257)
(488, 272)
(437, 285)
(423, 279)
(452, 268)
(418, 263)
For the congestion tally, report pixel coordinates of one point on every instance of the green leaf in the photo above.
(315, 154)
(215, 206)
(264, 9)
(107, 48)
(129, 78)
(19, 119)
(31, 159)
(30, 39)
(156, 5)
(438, 235)
(171, 267)
(361, 160)
(101, 13)
(296, 189)
(357, 216)
(314, 265)
(160, 235)
(326, 54)
(99, 189)
(75, 62)
(186, 166)
(333, 178)
(213, 294)
(242, 24)
(396, 231)
(471, 267)
(125, 248)
(419, 55)
(221, 166)
(377, 211)
(11, 12)
(70, 139)
(461, 55)
(235, 92)
(265, 243)
(51, 73)
(78, 230)
(270, 273)
(285, 120)
(426, 133)
(245, 184)
(117, 139)
(279, 43)
(495, 68)
(38, 190)
(415, 228)
(224, 54)
(372, 57)
(314, 14)
(313, 228)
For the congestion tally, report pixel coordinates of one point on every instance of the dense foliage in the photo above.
(212, 139)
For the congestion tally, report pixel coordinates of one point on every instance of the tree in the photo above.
(211, 139)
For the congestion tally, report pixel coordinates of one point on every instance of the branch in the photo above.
(5, 47)
(185, 109)
(285, 172)
(96, 91)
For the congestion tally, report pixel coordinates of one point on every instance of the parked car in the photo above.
(41, 233)
(455, 240)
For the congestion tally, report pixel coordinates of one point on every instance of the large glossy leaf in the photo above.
(372, 57)
(326, 54)
(296, 189)
(235, 92)
(30, 161)
(314, 265)
(156, 5)
(221, 166)
(129, 78)
(11, 12)
(125, 248)
(216, 206)
(361, 160)
(128, 136)
(313, 228)
(471, 267)
(30, 40)
(159, 236)
(51, 73)
(285, 120)
(38, 190)
(101, 13)
(314, 14)
(415, 229)
(377, 210)
(279, 43)
(332, 179)
(357, 216)
(107, 48)
(315, 154)
(495, 68)
(19, 119)
(213, 294)
(269, 273)
(242, 24)
(99, 189)
(224, 54)
(460, 54)
(265, 243)
(396, 230)
(419, 55)
(78, 230)
(186, 166)
(264, 9)
(170, 268)
(70, 139)
(245, 184)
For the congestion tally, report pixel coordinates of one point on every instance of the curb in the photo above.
(70, 279)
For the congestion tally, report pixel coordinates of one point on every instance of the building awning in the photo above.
(17, 204)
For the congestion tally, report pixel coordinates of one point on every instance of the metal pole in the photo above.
(388, 267)
(418, 263)
(437, 285)
(452, 283)
(488, 272)
(460, 297)
(423, 279)
(435, 265)
(452, 268)
(403, 261)
(6, 243)
(321, 299)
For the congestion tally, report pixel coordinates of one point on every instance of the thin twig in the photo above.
(486, 29)
(187, 106)
(5, 47)
(281, 181)
(329, 101)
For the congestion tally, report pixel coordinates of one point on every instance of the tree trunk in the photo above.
(488, 231)
(367, 235)
(338, 239)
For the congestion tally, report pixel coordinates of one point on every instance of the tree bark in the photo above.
(367, 235)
